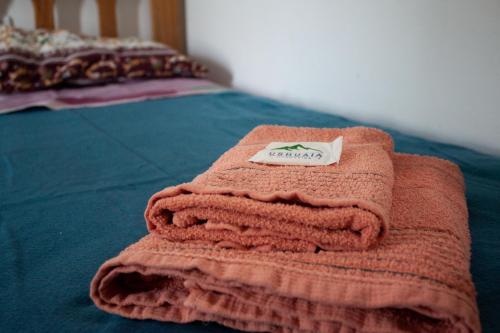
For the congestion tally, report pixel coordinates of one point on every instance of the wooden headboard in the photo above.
(167, 19)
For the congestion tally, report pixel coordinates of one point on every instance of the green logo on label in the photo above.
(296, 147)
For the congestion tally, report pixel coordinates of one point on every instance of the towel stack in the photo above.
(377, 243)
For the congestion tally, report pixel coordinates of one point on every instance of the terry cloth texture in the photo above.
(416, 280)
(244, 205)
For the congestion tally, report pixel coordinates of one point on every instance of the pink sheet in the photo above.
(114, 93)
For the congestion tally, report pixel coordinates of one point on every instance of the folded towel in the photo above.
(240, 204)
(416, 280)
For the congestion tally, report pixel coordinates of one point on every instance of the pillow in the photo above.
(39, 59)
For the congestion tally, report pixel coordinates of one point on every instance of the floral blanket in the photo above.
(40, 59)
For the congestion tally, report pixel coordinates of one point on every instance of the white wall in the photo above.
(427, 67)
(80, 16)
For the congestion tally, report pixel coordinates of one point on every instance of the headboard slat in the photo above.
(167, 19)
(107, 18)
(44, 14)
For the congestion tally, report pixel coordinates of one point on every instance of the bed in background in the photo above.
(74, 183)
(58, 68)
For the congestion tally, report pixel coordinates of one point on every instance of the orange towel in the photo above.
(240, 204)
(416, 280)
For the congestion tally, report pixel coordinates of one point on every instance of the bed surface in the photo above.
(74, 185)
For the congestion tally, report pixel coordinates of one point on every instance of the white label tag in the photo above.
(300, 153)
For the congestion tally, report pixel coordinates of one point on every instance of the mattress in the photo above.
(74, 184)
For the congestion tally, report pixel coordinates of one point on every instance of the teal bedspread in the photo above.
(74, 185)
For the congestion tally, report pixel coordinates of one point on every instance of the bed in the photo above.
(74, 184)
